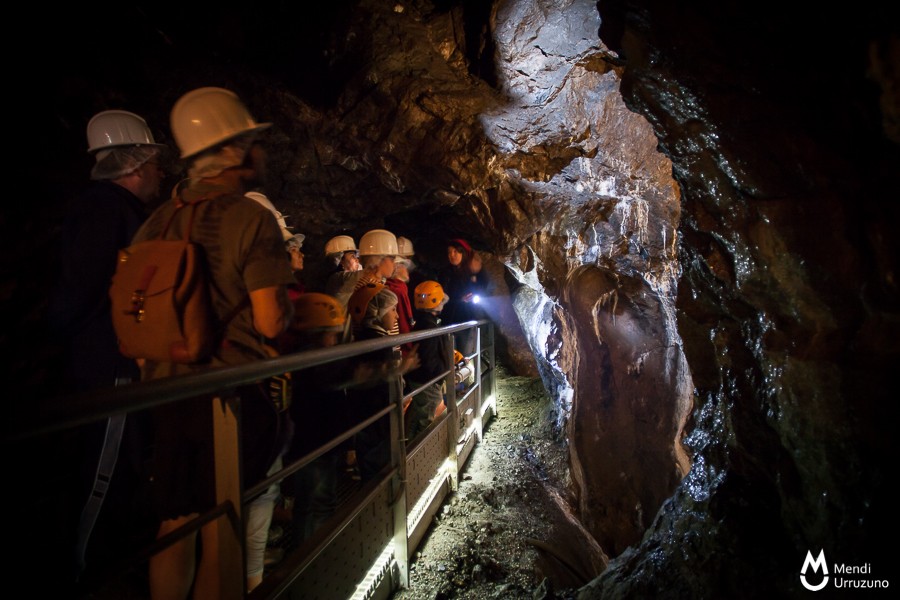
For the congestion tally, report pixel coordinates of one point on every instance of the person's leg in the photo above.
(372, 450)
(421, 410)
(434, 395)
(324, 497)
(172, 570)
(316, 494)
(259, 518)
(208, 582)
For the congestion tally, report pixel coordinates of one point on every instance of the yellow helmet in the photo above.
(429, 295)
(318, 312)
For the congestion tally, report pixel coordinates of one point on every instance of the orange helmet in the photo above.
(318, 312)
(430, 296)
(358, 304)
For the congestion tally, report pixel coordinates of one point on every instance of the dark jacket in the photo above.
(97, 224)
(458, 281)
(433, 352)
(319, 408)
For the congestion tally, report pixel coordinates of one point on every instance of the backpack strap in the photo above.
(182, 203)
(179, 204)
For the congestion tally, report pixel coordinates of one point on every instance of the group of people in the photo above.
(255, 262)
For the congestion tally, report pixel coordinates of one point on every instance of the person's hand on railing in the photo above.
(365, 372)
(410, 361)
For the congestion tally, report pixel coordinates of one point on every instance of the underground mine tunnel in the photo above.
(691, 211)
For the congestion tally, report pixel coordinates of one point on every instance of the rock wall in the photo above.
(601, 271)
(788, 304)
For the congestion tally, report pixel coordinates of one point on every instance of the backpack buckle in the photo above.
(137, 305)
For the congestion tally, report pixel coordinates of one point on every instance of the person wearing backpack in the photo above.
(250, 272)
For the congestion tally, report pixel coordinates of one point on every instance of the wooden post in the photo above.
(226, 427)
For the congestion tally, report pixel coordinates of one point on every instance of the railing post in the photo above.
(492, 361)
(226, 424)
(479, 392)
(452, 418)
(398, 485)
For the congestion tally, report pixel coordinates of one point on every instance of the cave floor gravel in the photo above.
(504, 533)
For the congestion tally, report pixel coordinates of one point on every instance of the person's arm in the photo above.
(272, 310)
(483, 284)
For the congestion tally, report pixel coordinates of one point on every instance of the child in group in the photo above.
(341, 250)
(429, 301)
(373, 309)
(397, 283)
(318, 411)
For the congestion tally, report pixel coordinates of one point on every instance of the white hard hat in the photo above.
(112, 128)
(340, 244)
(262, 199)
(378, 242)
(405, 247)
(209, 116)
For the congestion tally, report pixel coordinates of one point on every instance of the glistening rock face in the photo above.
(787, 306)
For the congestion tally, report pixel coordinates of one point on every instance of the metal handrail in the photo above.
(62, 412)
(301, 462)
(67, 411)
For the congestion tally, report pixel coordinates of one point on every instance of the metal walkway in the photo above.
(363, 551)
